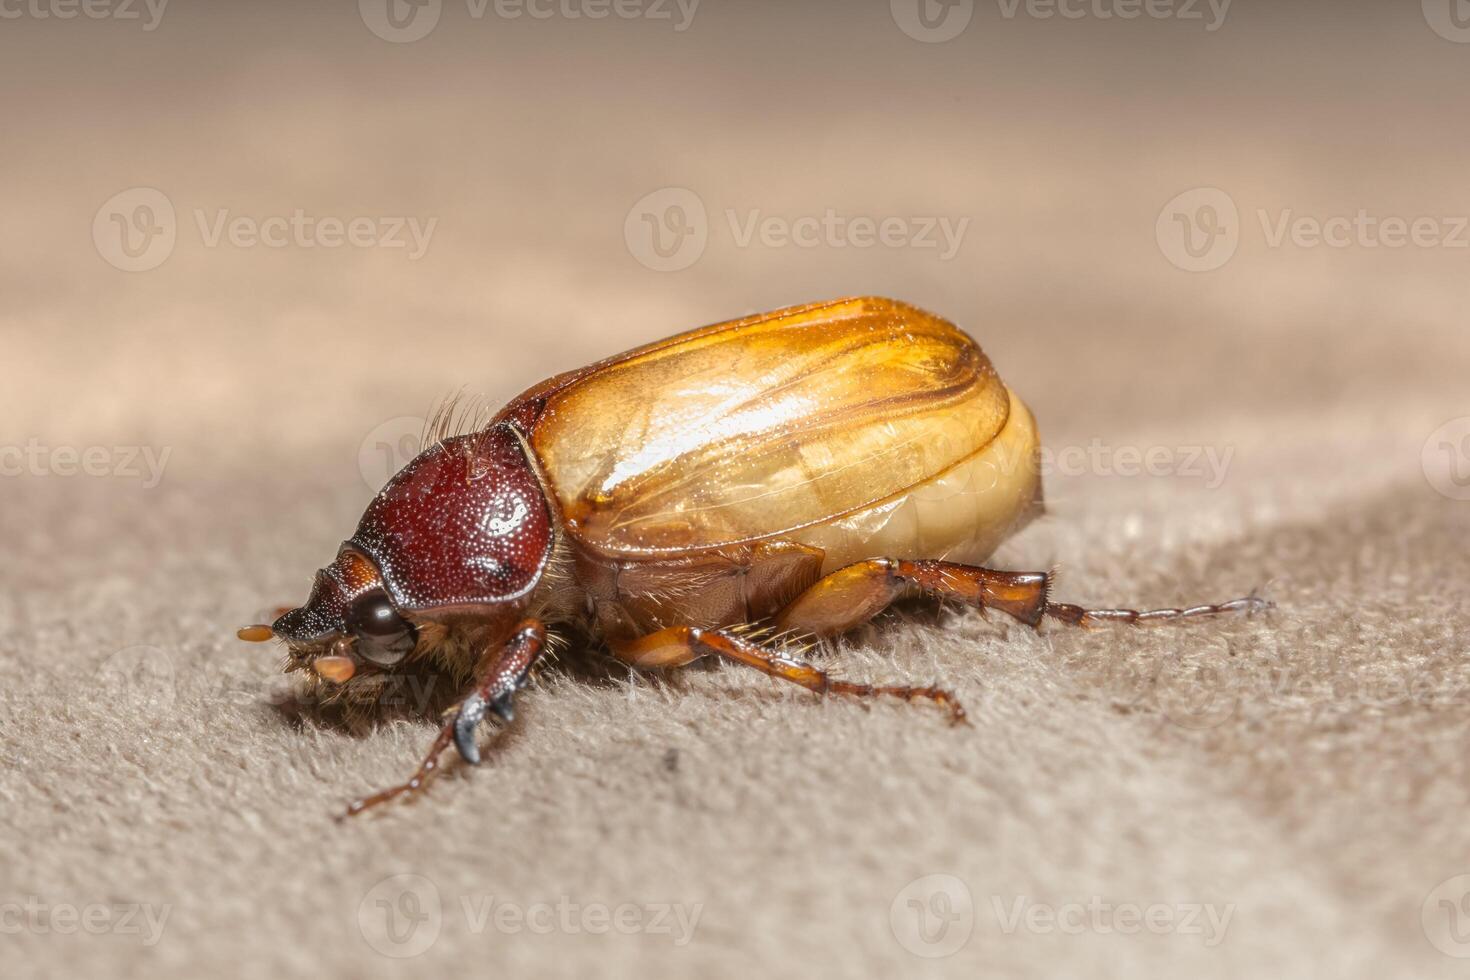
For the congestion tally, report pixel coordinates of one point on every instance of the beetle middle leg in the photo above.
(680, 645)
(856, 593)
(504, 675)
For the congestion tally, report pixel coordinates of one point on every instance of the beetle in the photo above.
(794, 471)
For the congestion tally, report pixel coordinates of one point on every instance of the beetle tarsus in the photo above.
(1074, 615)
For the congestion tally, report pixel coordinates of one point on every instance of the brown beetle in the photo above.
(798, 470)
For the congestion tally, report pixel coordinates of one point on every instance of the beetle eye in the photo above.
(383, 636)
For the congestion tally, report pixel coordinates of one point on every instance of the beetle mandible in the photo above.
(796, 470)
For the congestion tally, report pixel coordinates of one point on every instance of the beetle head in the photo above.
(442, 563)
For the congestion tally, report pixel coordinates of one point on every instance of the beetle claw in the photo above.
(471, 712)
(503, 707)
(466, 720)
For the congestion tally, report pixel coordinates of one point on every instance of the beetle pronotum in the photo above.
(797, 470)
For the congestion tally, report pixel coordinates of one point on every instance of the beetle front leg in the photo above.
(498, 684)
(679, 645)
(855, 594)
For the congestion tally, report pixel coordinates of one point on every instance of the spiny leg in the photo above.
(856, 593)
(506, 673)
(679, 645)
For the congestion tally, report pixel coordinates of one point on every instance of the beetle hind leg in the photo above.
(856, 593)
(680, 645)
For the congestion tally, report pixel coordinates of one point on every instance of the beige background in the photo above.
(1307, 772)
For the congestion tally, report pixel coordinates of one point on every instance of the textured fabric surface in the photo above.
(1278, 796)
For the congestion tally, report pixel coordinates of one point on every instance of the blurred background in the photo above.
(533, 152)
(244, 248)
